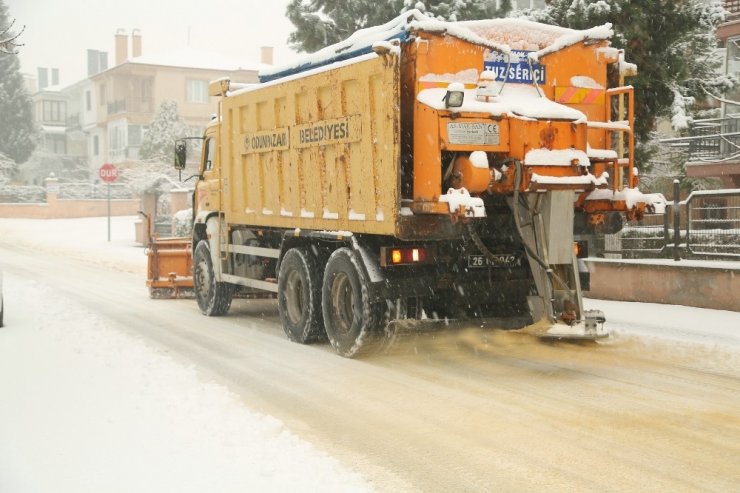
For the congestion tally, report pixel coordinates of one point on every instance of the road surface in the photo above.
(468, 410)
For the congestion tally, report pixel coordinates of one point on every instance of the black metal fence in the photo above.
(706, 225)
(710, 140)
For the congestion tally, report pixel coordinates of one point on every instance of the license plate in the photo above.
(497, 260)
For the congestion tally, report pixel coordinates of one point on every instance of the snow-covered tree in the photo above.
(17, 130)
(166, 126)
(320, 23)
(673, 44)
(9, 39)
(155, 174)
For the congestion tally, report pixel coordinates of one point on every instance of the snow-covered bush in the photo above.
(30, 194)
(182, 222)
(93, 191)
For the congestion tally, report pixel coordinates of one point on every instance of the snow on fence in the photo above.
(94, 191)
(50, 202)
(708, 227)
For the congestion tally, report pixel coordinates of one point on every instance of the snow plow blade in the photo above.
(170, 268)
(591, 328)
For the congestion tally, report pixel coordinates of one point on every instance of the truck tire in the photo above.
(214, 298)
(353, 323)
(299, 296)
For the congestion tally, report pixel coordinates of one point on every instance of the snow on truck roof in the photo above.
(502, 35)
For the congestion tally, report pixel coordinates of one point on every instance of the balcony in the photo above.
(710, 140)
(733, 10)
(131, 105)
(73, 122)
(711, 149)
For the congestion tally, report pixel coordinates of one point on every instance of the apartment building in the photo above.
(713, 144)
(104, 117)
(125, 97)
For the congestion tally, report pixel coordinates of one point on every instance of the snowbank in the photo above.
(87, 408)
(82, 238)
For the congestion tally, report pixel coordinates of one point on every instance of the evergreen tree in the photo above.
(165, 128)
(17, 130)
(320, 23)
(673, 43)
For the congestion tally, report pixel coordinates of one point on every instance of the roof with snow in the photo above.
(502, 35)
(190, 58)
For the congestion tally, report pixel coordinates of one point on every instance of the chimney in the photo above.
(121, 46)
(93, 62)
(266, 55)
(43, 78)
(54, 76)
(135, 43)
(97, 61)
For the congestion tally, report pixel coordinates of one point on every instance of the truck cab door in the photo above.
(208, 197)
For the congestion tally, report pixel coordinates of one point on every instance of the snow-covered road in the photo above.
(104, 389)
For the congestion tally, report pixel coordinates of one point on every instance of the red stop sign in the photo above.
(108, 173)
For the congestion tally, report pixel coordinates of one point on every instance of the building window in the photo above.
(88, 100)
(115, 139)
(134, 135)
(54, 111)
(55, 144)
(96, 146)
(60, 146)
(197, 91)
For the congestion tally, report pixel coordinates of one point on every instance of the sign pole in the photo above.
(108, 173)
(109, 212)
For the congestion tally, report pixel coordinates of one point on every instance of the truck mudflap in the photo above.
(590, 328)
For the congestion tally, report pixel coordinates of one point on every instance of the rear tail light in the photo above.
(580, 248)
(403, 256)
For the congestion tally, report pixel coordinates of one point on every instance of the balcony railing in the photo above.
(733, 10)
(131, 105)
(710, 140)
(73, 122)
(118, 106)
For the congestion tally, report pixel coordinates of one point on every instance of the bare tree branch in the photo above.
(8, 43)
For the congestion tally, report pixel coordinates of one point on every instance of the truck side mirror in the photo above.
(181, 154)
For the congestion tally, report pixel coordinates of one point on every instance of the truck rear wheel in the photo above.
(214, 298)
(353, 323)
(299, 296)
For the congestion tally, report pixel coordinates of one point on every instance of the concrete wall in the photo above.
(702, 284)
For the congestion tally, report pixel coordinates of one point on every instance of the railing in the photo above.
(710, 140)
(131, 105)
(733, 7)
(73, 121)
(118, 106)
(713, 223)
(704, 225)
(88, 190)
(640, 239)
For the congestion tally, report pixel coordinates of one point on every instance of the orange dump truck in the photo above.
(419, 171)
